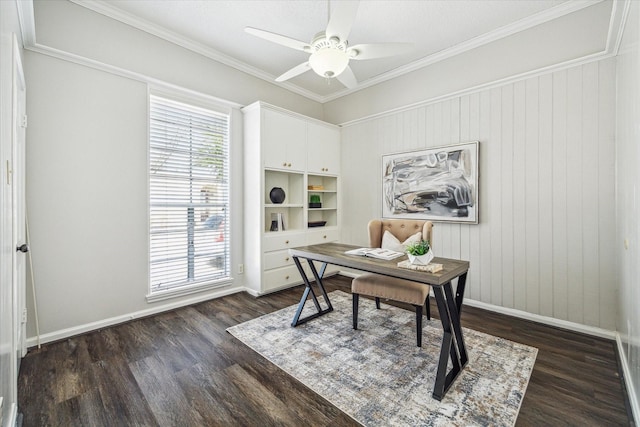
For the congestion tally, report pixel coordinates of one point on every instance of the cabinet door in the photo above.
(283, 141)
(323, 149)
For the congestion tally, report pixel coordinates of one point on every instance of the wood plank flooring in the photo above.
(183, 368)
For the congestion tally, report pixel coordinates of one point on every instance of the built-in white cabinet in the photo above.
(323, 149)
(284, 141)
(287, 153)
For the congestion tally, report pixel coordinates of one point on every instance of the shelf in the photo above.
(283, 205)
(322, 209)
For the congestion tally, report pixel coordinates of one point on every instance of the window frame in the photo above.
(216, 106)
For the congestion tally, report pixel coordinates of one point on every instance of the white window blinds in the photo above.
(188, 195)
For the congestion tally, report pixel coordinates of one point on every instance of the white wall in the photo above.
(627, 203)
(9, 25)
(545, 242)
(87, 158)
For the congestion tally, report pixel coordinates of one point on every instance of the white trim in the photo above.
(484, 39)
(550, 321)
(531, 21)
(628, 380)
(26, 16)
(88, 327)
(12, 415)
(187, 290)
(107, 10)
(600, 56)
(158, 84)
(621, 27)
(29, 39)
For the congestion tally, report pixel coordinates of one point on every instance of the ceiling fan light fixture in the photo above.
(329, 62)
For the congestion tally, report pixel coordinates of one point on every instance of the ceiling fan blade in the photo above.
(297, 70)
(347, 78)
(277, 38)
(378, 50)
(341, 20)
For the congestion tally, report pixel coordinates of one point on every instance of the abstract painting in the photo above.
(437, 184)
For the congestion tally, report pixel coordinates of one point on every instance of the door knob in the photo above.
(24, 248)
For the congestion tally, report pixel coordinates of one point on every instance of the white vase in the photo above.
(421, 259)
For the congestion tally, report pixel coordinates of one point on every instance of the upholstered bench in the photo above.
(394, 289)
(378, 286)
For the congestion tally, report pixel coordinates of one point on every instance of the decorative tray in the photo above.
(317, 223)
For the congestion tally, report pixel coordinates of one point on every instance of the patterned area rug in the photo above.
(379, 377)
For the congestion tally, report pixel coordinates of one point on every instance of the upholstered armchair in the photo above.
(378, 286)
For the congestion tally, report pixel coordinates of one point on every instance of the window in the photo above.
(188, 195)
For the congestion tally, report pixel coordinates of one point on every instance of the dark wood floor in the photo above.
(182, 368)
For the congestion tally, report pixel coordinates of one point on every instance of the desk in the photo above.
(452, 349)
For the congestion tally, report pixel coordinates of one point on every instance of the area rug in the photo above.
(379, 377)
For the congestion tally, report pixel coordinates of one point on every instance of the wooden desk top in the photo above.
(334, 253)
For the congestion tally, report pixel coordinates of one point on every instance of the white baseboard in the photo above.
(564, 324)
(11, 414)
(88, 327)
(628, 380)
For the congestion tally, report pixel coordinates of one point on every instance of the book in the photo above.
(375, 253)
(430, 268)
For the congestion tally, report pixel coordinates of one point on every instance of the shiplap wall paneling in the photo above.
(545, 238)
(559, 201)
(608, 278)
(475, 268)
(545, 190)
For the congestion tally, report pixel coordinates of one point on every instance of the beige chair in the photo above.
(378, 286)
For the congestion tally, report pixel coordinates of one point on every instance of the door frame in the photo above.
(18, 152)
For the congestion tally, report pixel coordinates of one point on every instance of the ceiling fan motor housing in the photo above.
(329, 57)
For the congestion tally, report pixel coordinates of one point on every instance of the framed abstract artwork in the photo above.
(437, 184)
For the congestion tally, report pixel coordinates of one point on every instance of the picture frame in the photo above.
(439, 184)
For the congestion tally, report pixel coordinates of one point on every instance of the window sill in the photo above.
(188, 290)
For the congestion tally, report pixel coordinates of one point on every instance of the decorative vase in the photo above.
(277, 195)
(421, 259)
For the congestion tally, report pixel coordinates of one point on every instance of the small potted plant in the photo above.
(420, 253)
(314, 201)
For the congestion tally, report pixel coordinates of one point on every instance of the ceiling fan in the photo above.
(330, 50)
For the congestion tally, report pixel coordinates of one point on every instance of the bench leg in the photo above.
(419, 325)
(428, 308)
(355, 298)
(378, 303)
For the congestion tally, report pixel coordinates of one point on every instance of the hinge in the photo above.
(24, 121)
(8, 173)
(24, 315)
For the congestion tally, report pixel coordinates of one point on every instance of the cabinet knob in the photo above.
(287, 242)
(289, 165)
(286, 259)
(286, 278)
(284, 164)
(324, 237)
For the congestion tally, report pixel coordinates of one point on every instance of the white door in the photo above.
(18, 200)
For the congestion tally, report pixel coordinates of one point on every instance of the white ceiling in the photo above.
(438, 28)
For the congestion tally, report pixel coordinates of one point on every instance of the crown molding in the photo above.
(27, 22)
(107, 10)
(614, 37)
(616, 25)
(143, 78)
(500, 33)
(523, 24)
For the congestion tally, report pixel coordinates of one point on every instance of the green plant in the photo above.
(418, 248)
(314, 198)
